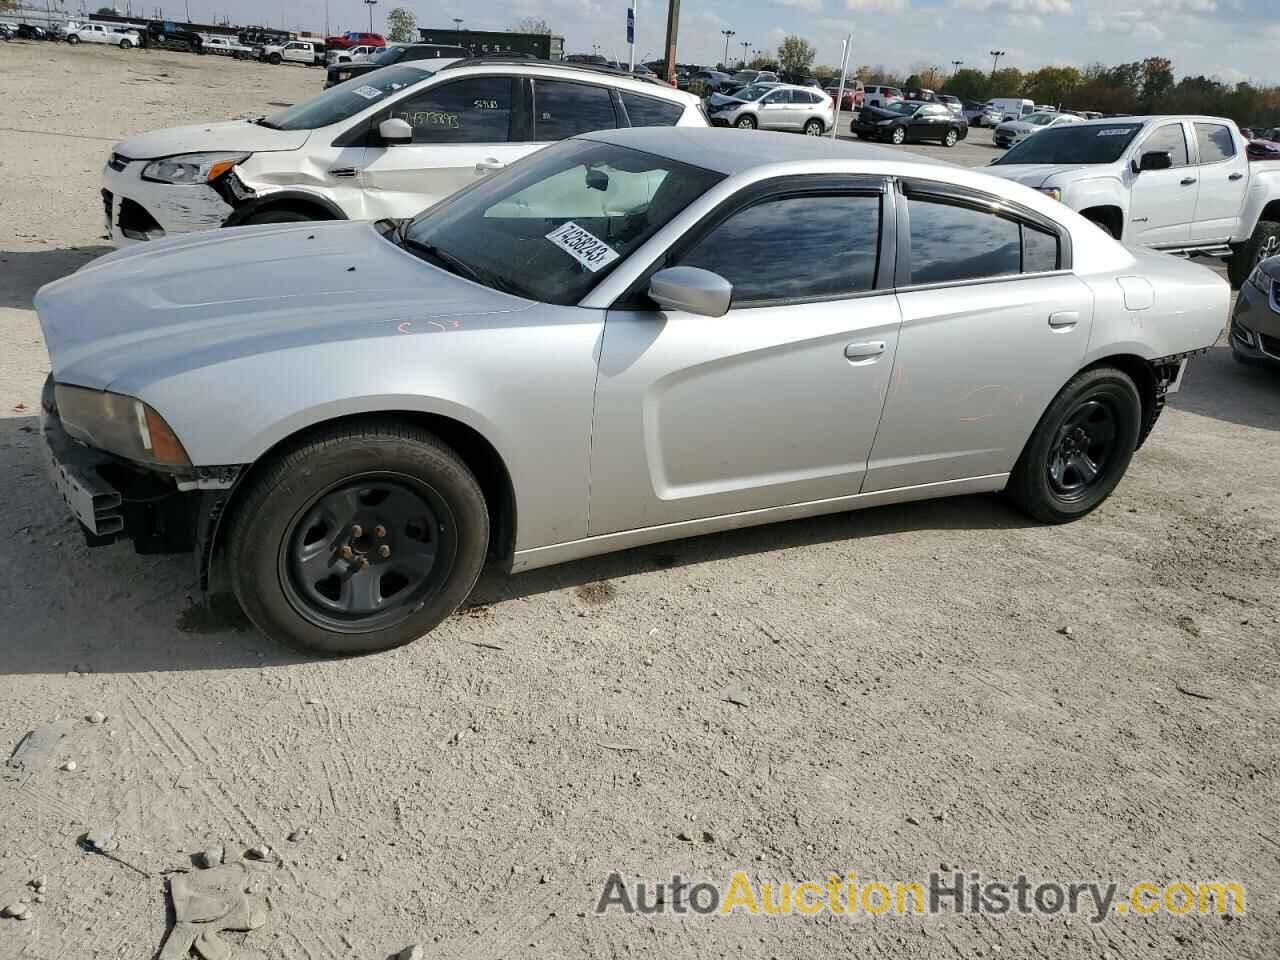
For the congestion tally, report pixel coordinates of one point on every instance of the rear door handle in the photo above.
(868, 350)
(1188, 181)
(1064, 319)
(488, 165)
(1236, 176)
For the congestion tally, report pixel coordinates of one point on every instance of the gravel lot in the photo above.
(909, 694)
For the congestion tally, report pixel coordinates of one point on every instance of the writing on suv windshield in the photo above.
(347, 99)
(554, 226)
(1076, 143)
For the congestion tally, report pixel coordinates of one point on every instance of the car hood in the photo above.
(723, 100)
(1032, 174)
(153, 309)
(231, 135)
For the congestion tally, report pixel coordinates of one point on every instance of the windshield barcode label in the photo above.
(584, 247)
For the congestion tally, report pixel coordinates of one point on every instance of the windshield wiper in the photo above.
(445, 259)
(264, 122)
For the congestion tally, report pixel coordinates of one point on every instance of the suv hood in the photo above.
(155, 309)
(1032, 174)
(229, 135)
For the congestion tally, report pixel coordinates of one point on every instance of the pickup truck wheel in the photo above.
(360, 538)
(126, 44)
(73, 39)
(274, 59)
(1264, 243)
(1080, 448)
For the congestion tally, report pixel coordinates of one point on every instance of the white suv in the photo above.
(386, 144)
(352, 55)
(880, 96)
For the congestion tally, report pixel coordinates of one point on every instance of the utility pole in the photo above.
(955, 65)
(995, 59)
(673, 29)
(631, 34)
(370, 4)
(727, 35)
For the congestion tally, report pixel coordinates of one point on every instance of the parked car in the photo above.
(910, 121)
(920, 95)
(29, 31)
(1255, 323)
(1177, 183)
(309, 53)
(352, 38)
(770, 106)
(369, 411)
(439, 55)
(1015, 131)
(228, 47)
(744, 77)
(1012, 108)
(982, 115)
(706, 82)
(855, 94)
(953, 104)
(386, 145)
(6, 32)
(167, 34)
(357, 54)
(881, 96)
(99, 33)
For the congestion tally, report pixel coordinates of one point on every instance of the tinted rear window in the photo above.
(650, 111)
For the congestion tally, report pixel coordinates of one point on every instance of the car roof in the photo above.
(732, 151)
(622, 79)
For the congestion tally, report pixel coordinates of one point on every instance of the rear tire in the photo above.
(294, 533)
(1264, 243)
(813, 128)
(1080, 448)
(899, 136)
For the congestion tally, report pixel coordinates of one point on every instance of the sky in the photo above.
(1231, 39)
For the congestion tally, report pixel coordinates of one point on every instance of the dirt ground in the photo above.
(909, 695)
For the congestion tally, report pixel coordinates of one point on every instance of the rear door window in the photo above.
(645, 111)
(952, 242)
(1215, 142)
(563, 110)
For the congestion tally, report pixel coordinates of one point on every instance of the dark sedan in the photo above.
(909, 120)
(399, 53)
(1255, 324)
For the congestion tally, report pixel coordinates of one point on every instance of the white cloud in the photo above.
(1025, 21)
(813, 6)
(877, 6)
(1016, 6)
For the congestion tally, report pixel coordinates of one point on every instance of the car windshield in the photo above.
(745, 76)
(1040, 119)
(902, 107)
(346, 99)
(1074, 143)
(388, 56)
(554, 225)
(753, 92)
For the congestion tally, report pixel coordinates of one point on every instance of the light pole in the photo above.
(370, 5)
(745, 45)
(457, 23)
(995, 59)
(727, 35)
(955, 65)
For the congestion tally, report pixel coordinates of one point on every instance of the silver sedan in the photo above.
(628, 337)
(773, 106)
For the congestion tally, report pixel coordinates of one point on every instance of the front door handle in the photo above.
(1064, 319)
(488, 165)
(1188, 181)
(1236, 176)
(868, 350)
(342, 172)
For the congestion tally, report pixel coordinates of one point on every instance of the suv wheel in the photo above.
(899, 135)
(1080, 448)
(813, 128)
(746, 123)
(361, 538)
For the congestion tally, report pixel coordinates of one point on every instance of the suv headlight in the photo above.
(1260, 281)
(118, 424)
(191, 167)
(1055, 192)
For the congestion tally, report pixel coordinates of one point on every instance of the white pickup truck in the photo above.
(1179, 184)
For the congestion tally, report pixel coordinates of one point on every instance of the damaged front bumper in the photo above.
(138, 210)
(116, 499)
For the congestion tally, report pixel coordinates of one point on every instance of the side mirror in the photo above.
(1156, 160)
(395, 131)
(692, 290)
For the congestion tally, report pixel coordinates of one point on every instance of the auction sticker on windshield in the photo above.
(369, 93)
(590, 251)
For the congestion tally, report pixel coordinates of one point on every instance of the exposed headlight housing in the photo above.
(118, 424)
(1055, 192)
(1260, 281)
(191, 168)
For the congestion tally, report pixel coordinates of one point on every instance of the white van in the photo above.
(1012, 108)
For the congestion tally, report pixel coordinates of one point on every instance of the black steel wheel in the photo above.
(1080, 448)
(357, 537)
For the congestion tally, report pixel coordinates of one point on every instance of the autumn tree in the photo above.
(534, 25)
(402, 25)
(1051, 85)
(796, 54)
(1007, 83)
(1157, 78)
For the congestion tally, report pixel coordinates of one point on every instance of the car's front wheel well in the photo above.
(1109, 218)
(480, 456)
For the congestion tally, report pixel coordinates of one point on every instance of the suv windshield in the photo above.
(346, 99)
(1074, 143)
(753, 92)
(553, 226)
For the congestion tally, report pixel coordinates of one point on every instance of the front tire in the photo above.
(360, 538)
(746, 123)
(899, 136)
(126, 44)
(1264, 243)
(73, 39)
(1080, 448)
(274, 59)
(951, 138)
